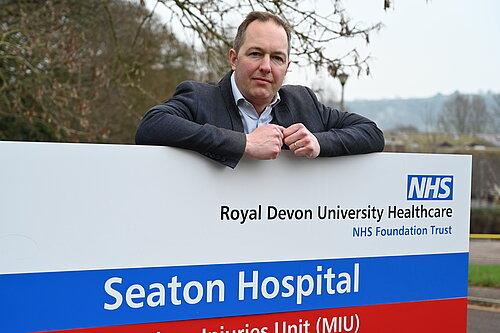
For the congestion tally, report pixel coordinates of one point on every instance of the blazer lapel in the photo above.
(282, 115)
(231, 108)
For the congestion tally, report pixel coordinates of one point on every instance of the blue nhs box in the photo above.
(429, 187)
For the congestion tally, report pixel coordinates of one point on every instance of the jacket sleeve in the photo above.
(180, 122)
(346, 133)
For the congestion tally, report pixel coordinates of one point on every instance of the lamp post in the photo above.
(342, 78)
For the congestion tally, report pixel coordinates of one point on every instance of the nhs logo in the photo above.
(429, 187)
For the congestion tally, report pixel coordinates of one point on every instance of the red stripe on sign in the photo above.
(416, 317)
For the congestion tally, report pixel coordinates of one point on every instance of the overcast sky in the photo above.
(425, 47)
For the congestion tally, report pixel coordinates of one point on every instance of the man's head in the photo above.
(262, 17)
(260, 57)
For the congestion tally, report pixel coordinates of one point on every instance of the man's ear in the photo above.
(233, 57)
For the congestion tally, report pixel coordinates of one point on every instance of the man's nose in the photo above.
(265, 64)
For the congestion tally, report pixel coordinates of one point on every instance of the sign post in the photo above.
(107, 238)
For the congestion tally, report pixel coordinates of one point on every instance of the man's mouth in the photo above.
(262, 79)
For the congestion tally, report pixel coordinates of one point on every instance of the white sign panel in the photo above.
(129, 237)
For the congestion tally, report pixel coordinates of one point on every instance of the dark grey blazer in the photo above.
(204, 117)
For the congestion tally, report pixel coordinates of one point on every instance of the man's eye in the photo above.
(279, 59)
(255, 54)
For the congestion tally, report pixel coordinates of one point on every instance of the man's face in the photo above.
(261, 63)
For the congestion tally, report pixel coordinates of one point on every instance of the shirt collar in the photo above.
(239, 96)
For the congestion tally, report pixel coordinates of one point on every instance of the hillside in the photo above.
(421, 113)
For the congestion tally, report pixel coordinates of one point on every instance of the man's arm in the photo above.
(349, 134)
(343, 133)
(188, 120)
(185, 121)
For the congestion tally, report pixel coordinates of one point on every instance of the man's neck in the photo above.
(260, 108)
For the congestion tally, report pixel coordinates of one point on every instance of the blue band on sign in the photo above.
(94, 298)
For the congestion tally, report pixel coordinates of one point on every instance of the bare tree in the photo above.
(479, 117)
(463, 114)
(455, 114)
(211, 22)
(430, 120)
(429, 117)
(86, 70)
(83, 70)
(496, 112)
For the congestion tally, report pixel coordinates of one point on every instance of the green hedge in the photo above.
(485, 221)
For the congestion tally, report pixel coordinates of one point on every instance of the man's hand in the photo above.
(300, 141)
(265, 142)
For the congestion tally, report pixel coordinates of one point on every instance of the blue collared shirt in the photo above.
(249, 116)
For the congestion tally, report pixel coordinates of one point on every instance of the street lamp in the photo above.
(342, 78)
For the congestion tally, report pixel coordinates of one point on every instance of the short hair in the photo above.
(262, 17)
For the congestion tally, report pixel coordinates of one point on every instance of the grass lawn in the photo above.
(485, 276)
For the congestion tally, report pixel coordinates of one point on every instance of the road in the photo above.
(484, 251)
(484, 319)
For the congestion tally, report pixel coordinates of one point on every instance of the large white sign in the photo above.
(108, 235)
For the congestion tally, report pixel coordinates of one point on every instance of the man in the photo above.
(250, 113)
